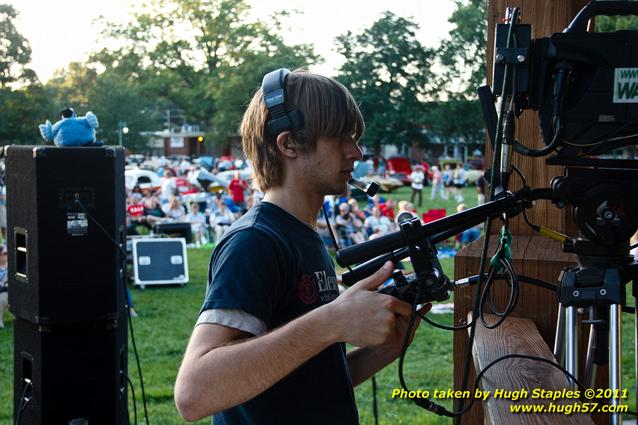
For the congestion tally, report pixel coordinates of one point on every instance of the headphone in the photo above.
(279, 121)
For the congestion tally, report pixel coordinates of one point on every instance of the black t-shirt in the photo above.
(276, 268)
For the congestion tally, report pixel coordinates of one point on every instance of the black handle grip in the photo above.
(370, 249)
(369, 267)
(605, 8)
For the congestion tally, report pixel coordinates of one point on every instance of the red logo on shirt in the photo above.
(306, 290)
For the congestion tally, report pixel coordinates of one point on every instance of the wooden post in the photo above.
(532, 255)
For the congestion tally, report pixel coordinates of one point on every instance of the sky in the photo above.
(61, 32)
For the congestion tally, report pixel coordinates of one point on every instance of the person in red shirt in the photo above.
(134, 215)
(237, 187)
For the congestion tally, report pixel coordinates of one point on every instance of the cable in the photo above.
(24, 399)
(545, 231)
(421, 402)
(520, 356)
(521, 176)
(125, 285)
(606, 138)
(375, 411)
(444, 327)
(473, 279)
(133, 394)
(332, 236)
(511, 304)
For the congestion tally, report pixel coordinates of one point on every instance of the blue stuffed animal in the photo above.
(71, 130)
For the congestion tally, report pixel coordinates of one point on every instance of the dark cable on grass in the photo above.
(421, 402)
(375, 411)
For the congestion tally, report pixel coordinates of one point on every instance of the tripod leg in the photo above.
(571, 339)
(614, 360)
(559, 340)
(590, 366)
(635, 289)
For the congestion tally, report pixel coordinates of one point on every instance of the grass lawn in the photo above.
(167, 315)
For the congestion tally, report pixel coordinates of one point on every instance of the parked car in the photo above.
(399, 168)
(184, 187)
(145, 179)
(471, 176)
(227, 176)
(365, 171)
(210, 182)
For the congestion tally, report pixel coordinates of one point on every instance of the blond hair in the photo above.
(328, 110)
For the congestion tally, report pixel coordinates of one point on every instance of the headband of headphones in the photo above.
(274, 97)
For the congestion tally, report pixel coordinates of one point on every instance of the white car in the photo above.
(145, 179)
(226, 176)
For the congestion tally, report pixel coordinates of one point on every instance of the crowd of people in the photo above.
(211, 214)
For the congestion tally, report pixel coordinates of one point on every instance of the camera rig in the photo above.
(584, 86)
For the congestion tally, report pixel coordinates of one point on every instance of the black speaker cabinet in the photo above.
(64, 266)
(74, 371)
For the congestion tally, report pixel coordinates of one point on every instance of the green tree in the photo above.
(71, 85)
(22, 110)
(456, 116)
(115, 99)
(616, 23)
(464, 54)
(387, 70)
(15, 52)
(201, 57)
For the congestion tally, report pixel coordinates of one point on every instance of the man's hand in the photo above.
(364, 317)
(394, 344)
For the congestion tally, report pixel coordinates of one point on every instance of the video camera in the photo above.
(584, 85)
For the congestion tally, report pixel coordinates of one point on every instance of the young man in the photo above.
(268, 347)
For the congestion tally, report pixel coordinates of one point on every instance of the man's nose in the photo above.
(353, 150)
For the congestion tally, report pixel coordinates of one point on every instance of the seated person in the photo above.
(135, 215)
(152, 206)
(378, 225)
(174, 210)
(221, 219)
(467, 236)
(348, 226)
(198, 224)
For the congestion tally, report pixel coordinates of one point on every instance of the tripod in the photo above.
(597, 284)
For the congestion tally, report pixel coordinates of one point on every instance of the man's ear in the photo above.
(286, 145)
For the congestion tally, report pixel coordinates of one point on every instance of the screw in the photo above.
(576, 293)
(603, 292)
(521, 58)
(500, 57)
